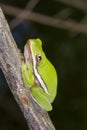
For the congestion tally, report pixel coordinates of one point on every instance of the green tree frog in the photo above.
(39, 74)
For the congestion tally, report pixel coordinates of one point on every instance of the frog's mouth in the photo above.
(27, 54)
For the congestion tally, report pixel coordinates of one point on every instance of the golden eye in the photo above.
(39, 58)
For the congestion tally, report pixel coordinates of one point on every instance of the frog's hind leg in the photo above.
(40, 98)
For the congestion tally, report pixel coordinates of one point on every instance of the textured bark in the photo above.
(10, 63)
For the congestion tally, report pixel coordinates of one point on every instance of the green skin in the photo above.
(39, 74)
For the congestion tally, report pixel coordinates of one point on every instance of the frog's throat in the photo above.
(27, 54)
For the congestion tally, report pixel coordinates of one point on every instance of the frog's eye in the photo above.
(39, 58)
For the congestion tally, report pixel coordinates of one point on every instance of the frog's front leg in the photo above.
(27, 74)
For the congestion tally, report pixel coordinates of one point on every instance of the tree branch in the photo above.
(29, 7)
(10, 63)
(44, 19)
(78, 4)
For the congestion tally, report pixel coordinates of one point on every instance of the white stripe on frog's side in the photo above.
(38, 76)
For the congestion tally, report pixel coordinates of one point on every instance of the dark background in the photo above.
(65, 47)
